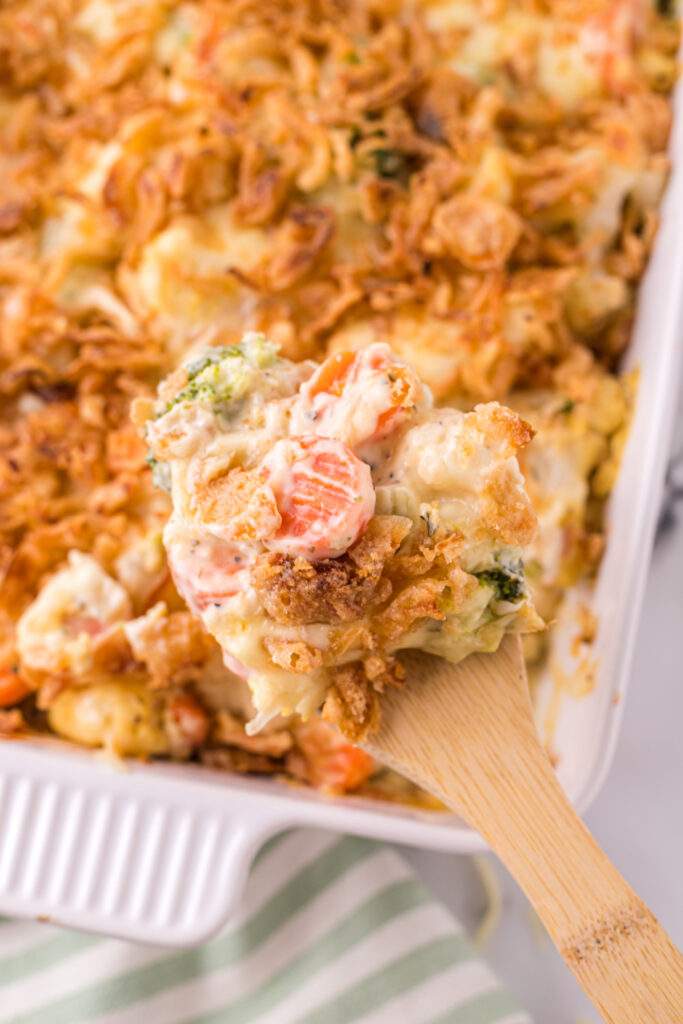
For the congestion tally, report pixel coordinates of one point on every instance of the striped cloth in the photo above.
(332, 931)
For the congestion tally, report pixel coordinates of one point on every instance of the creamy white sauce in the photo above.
(434, 466)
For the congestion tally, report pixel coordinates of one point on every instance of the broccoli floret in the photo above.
(226, 373)
(508, 585)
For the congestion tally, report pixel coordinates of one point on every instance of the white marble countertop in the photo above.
(637, 817)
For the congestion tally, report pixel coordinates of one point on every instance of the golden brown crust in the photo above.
(293, 655)
(342, 132)
(71, 475)
(295, 591)
(479, 233)
(351, 703)
(417, 601)
(457, 184)
(301, 238)
(511, 521)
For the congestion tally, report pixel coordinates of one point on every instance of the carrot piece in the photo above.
(13, 688)
(331, 375)
(372, 380)
(332, 762)
(208, 571)
(324, 495)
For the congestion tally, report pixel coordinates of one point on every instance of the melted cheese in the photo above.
(188, 277)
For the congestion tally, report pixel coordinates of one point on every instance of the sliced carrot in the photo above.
(13, 688)
(331, 375)
(402, 399)
(324, 495)
(332, 762)
(377, 361)
(373, 380)
(207, 571)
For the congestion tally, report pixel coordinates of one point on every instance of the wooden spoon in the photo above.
(466, 733)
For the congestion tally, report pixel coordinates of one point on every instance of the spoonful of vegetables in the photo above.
(327, 516)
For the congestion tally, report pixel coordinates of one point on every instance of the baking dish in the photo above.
(160, 853)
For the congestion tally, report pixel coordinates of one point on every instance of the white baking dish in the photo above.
(160, 853)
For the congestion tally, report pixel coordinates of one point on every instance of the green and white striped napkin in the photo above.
(333, 930)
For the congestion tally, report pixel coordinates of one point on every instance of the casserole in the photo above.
(160, 853)
(144, 852)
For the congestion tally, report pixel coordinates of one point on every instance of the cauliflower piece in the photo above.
(75, 610)
(124, 717)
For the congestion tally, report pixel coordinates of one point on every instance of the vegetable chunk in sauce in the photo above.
(326, 517)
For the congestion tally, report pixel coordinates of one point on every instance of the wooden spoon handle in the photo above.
(468, 736)
(620, 954)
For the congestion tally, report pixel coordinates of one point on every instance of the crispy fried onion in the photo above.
(331, 590)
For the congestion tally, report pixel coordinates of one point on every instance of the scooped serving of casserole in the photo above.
(349, 265)
(324, 518)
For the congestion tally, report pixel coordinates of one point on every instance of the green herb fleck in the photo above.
(390, 164)
(161, 473)
(352, 57)
(566, 407)
(508, 586)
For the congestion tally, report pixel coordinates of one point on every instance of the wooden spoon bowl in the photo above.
(466, 733)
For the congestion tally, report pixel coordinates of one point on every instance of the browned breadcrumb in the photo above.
(380, 541)
(352, 703)
(293, 655)
(70, 474)
(351, 636)
(478, 232)
(421, 600)
(382, 672)
(510, 521)
(302, 236)
(497, 421)
(331, 590)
